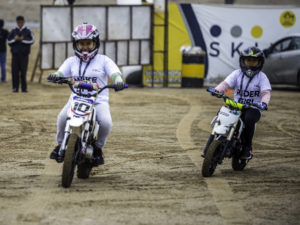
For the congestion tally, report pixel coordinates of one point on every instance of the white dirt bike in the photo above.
(81, 130)
(225, 139)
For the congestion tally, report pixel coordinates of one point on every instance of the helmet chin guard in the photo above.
(86, 56)
(86, 32)
(249, 73)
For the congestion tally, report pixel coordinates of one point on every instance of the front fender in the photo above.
(77, 121)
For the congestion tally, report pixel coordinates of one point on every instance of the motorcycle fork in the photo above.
(87, 135)
(67, 133)
(228, 140)
(85, 147)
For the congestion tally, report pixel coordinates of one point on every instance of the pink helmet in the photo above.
(86, 32)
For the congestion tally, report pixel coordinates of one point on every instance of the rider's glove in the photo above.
(118, 81)
(54, 76)
(51, 77)
(216, 93)
(264, 106)
(211, 91)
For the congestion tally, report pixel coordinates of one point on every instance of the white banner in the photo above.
(124, 31)
(227, 30)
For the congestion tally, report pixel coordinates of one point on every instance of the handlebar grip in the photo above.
(214, 92)
(116, 88)
(255, 105)
(210, 89)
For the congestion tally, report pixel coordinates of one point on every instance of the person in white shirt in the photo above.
(87, 64)
(251, 86)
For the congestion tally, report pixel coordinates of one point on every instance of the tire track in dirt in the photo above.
(41, 196)
(20, 131)
(218, 187)
(280, 127)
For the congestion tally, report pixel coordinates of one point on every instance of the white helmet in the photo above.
(86, 32)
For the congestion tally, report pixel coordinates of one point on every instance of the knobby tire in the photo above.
(211, 159)
(237, 163)
(69, 161)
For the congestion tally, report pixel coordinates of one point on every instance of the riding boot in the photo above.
(98, 156)
(54, 153)
(246, 153)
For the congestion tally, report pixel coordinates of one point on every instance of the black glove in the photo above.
(52, 77)
(264, 106)
(119, 86)
(217, 94)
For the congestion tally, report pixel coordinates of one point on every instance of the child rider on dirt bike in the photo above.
(87, 64)
(251, 86)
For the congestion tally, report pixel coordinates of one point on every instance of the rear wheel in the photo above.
(237, 163)
(69, 161)
(211, 159)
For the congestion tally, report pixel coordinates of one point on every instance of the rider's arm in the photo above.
(265, 96)
(116, 77)
(265, 88)
(59, 74)
(222, 87)
(118, 81)
(65, 70)
(229, 82)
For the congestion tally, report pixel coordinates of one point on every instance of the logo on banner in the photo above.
(256, 31)
(236, 32)
(287, 19)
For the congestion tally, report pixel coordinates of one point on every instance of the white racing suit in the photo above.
(96, 71)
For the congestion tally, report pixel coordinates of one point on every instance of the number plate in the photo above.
(81, 106)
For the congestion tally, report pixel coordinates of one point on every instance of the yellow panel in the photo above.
(193, 71)
(178, 36)
(158, 32)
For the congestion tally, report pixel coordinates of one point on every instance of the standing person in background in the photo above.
(20, 39)
(3, 37)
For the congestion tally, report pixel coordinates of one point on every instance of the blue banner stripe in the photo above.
(195, 29)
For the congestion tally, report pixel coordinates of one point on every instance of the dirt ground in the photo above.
(152, 173)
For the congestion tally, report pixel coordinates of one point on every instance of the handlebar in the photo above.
(84, 86)
(228, 101)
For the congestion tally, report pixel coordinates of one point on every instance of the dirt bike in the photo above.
(81, 130)
(225, 139)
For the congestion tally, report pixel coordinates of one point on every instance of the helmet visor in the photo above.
(85, 45)
(251, 61)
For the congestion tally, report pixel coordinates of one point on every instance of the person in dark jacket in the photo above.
(3, 38)
(20, 40)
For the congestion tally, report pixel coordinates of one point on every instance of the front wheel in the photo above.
(211, 158)
(69, 161)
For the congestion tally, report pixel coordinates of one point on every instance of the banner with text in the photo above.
(223, 31)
